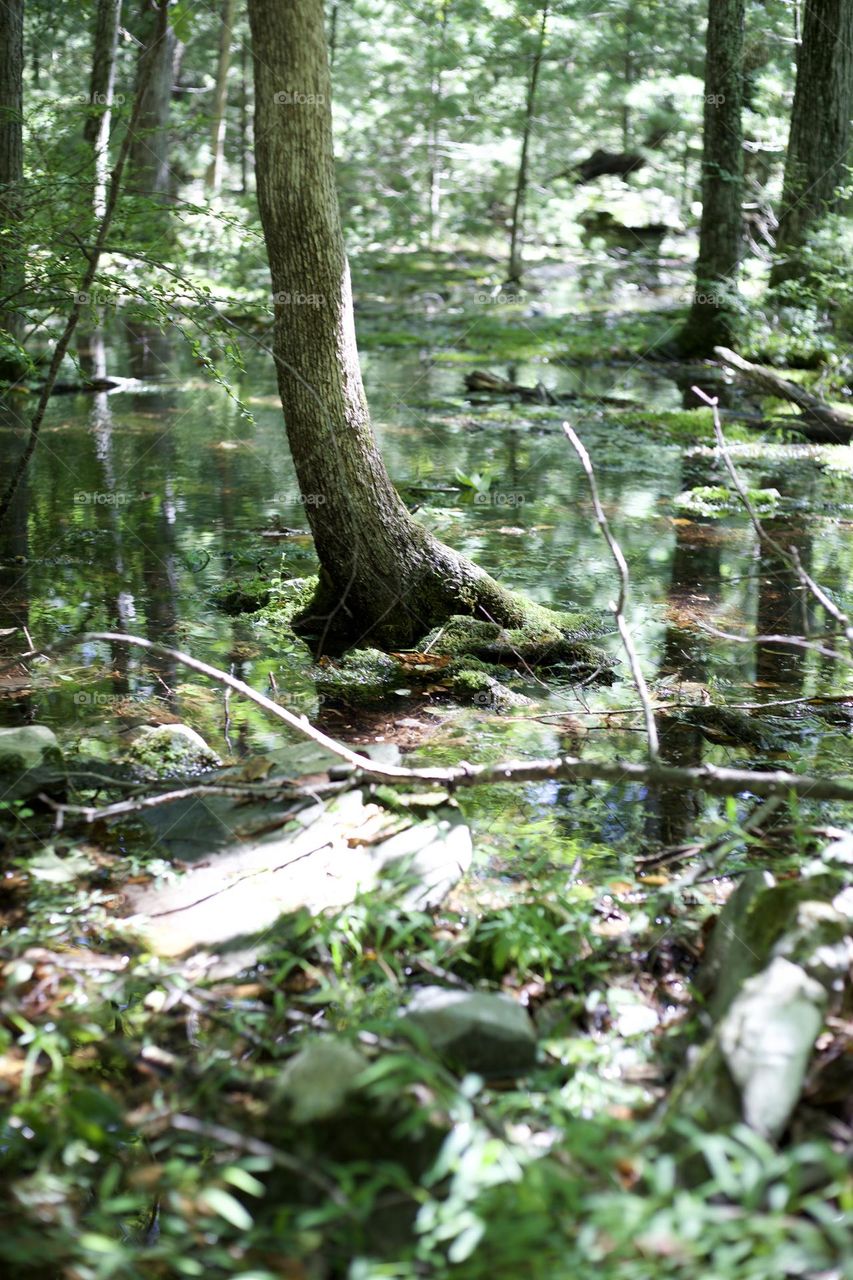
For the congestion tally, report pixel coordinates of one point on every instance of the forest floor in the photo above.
(317, 1030)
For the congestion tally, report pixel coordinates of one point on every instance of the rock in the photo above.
(322, 859)
(171, 750)
(30, 746)
(477, 1031)
(750, 925)
(363, 678)
(318, 1079)
(767, 1038)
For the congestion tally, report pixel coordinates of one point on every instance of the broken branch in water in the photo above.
(820, 421)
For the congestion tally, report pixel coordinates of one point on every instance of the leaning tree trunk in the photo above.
(712, 317)
(517, 225)
(213, 176)
(819, 141)
(382, 575)
(11, 184)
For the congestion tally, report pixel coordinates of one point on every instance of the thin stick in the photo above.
(618, 608)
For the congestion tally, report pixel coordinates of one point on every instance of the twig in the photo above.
(794, 642)
(618, 608)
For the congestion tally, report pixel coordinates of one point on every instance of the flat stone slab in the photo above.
(328, 855)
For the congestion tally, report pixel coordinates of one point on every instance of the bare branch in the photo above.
(618, 608)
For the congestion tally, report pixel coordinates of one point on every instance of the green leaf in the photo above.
(225, 1206)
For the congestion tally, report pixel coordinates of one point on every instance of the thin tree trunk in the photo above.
(517, 225)
(381, 574)
(712, 317)
(244, 122)
(87, 279)
(96, 130)
(11, 181)
(96, 133)
(434, 142)
(149, 153)
(819, 141)
(213, 177)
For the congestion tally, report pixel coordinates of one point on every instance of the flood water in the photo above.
(142, 503)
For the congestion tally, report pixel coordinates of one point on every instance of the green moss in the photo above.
(362, 678)
(711, 500)
(546, 638)
(242, 597)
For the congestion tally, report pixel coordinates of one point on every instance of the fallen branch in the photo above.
(482, 381)
(820, 422)
(618, 606)
(709, 778)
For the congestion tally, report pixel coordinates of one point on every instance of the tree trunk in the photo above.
(819, 141)
(712, 317)
(11, 185)
(382, 575)
(96, 130)
(149, 152)
(213, 176)
(434, 138)
(517, 231)
(96, 133)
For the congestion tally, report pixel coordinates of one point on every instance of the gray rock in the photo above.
(171, 750)
(478, 1031)
(767, 1038)
(318, 1079)
(29, 746)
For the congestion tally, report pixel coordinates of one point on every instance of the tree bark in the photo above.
(711, 321)
(11, 181)
(382, 576)
(213, 176)
(96, 130)
(819, 140)
(517, 224)
(150, 174)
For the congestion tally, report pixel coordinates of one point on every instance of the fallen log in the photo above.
(492, 384)
(820, 422)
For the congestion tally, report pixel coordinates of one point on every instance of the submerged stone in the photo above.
(171, 750)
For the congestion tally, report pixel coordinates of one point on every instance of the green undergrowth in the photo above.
(148, 1131)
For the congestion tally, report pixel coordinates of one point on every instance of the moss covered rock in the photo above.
(548, 639)
(171, 750)
(362, 678)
